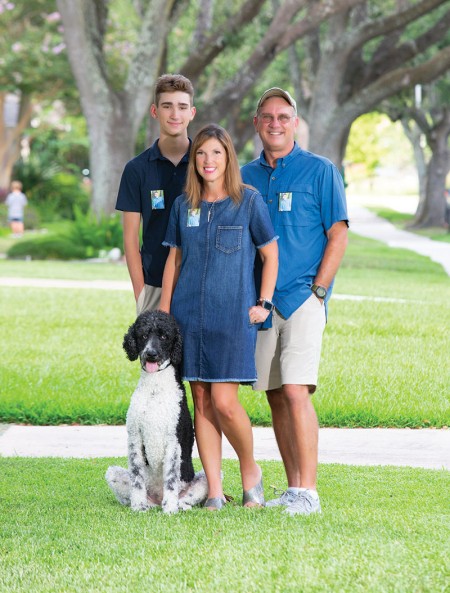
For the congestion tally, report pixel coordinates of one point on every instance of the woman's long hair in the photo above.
(233, 180)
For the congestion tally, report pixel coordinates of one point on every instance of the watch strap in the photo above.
(317, 289)
(265, 304)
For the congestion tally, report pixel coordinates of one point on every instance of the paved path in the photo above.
(366, 223)
(125, 285)
(425, 448)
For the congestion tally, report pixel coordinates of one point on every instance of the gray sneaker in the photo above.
(282, 501)
(304, 504)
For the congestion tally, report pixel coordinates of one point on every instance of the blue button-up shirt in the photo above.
(305, 196)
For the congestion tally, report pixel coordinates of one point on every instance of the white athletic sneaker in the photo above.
(284, 500)
(304, 504)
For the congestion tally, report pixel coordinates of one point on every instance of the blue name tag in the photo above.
(193, 217)
(157, 197)
(285, 201)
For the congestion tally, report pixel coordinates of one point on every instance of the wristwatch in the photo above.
(265, 304)
(319, 291)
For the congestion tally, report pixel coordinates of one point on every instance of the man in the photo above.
(305, 196)
(150, 183)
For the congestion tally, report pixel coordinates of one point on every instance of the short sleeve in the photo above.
(333, 206)
(129, 196)
(173, 235)
(261, 227)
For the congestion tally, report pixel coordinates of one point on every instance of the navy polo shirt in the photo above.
(147, 172)
(305, 196)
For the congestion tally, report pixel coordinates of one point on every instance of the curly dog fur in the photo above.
(159, 426)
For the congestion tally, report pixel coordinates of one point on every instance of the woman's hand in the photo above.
(258, 314)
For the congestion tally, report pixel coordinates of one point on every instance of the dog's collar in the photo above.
(164, 365)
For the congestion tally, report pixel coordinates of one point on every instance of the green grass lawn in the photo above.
(72, 270)
(382, 530)
(383, 364)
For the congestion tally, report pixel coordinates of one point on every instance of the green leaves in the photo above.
(32, 49)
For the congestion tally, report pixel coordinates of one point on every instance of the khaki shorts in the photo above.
(289, 352)
(148, 299)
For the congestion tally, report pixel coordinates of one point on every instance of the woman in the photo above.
(214, 230)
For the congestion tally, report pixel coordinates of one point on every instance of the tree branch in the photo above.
(394, 82)
(217, 40)
(317, 13)
(144, 66)
(420, 118)
(391, 58)
(277, 38)
(83, 26)
(204, 22)
(384, 25)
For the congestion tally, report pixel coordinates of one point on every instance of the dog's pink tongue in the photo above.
(151, 367)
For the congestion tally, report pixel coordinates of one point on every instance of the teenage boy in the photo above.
(305, 196)
(150, 183)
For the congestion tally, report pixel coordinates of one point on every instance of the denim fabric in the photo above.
(216, 287)
(318, 201)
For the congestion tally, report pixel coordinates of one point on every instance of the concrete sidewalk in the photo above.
(426, 448)
(366, 223)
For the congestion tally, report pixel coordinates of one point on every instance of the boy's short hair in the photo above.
(170, 83)
(16, 185)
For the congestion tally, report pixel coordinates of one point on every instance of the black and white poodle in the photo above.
(159, 426)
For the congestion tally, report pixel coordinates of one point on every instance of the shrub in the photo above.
(54, 194)
(4, 217)
(57, 198)
(86, 237)
(48, 247)
(32, 218)
(96, 234)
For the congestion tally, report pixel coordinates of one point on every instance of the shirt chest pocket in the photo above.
(303, 207)
(229, 238)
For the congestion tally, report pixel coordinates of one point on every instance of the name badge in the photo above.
(193, 217)
(285, 201)
(157, 197)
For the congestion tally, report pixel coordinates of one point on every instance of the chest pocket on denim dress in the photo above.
(229, 238)
(302, 209)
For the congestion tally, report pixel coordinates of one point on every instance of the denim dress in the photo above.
(216, 286)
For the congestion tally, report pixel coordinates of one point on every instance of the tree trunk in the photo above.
(432, 213)
(327, 133)
(10, 136)
(113, 116)
(414, 135)
(112, 146)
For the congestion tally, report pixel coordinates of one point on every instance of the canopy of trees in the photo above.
(341, 59)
